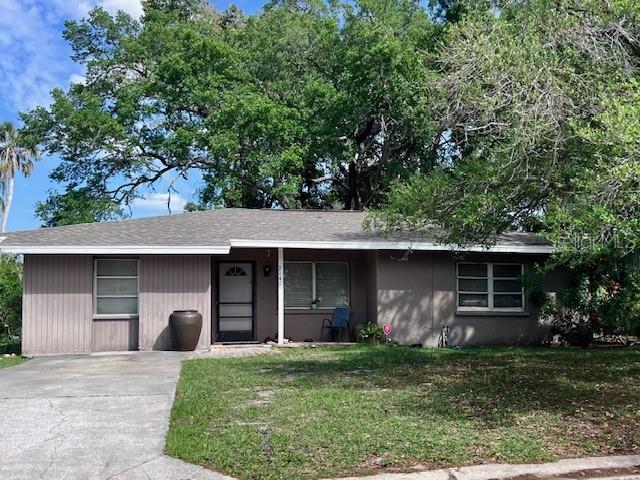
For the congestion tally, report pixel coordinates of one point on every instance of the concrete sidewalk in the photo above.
(625, 467)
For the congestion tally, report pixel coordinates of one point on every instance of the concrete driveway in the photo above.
(90, 417)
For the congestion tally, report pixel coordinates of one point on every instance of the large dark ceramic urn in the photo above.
(185, 329)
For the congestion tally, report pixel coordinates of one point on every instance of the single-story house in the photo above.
(262, 273)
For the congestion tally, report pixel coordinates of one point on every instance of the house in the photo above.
(255, 274)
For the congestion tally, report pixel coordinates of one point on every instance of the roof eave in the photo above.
(390, 245)
(116, 250)
(249, 243)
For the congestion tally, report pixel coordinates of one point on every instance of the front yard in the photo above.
(313, 413)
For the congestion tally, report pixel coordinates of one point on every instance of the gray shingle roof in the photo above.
(220, 227)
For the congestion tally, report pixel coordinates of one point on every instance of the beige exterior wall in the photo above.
(168, 283)
(57, 304)
(417, 296)
(114, 334)
(416, 293)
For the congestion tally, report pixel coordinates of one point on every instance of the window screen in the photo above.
(332, 285)
(298, 288)
(116, 287)
(490, 286)
(326, 282)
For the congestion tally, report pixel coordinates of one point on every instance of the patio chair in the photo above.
(339, 321)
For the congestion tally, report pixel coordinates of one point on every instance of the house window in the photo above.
(490, 286)
(325, 282)
(116, 286)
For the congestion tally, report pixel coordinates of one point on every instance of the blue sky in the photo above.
(35, 59)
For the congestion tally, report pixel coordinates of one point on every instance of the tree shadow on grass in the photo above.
(494, 386)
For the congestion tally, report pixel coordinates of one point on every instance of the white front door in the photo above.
(235, 302)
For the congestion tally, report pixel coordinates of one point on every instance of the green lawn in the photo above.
(313, 413)
(10, 361)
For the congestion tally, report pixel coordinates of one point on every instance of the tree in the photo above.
(307, 104)
(538, 127)
(76, 206)
(10, 303)
(16, 155)
(540, 134)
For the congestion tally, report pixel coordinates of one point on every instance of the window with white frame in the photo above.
(490, 286)
(116, 286)
(324, 284)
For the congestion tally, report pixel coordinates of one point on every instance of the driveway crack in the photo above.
(58, 438)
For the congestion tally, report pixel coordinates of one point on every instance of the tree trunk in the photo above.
(354, 200)
(7, 203)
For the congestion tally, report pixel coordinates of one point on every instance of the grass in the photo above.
(10, 361)
(314, 413)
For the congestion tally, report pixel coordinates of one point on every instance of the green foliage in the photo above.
(10, 303)
(540, 133)
(18, 152)
(303, 105)
(604, 301)
(76, 206)
(371, 333)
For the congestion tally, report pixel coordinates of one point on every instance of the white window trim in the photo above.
(314, 292)
(490, 292)
(97, 315)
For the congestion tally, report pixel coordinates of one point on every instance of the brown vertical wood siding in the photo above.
(168, 283)
(114, 334)
(57, 304)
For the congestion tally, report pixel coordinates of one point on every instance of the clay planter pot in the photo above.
(185, 329)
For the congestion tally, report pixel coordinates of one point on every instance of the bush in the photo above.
(371, 333)
(606, 304)
(10, 303)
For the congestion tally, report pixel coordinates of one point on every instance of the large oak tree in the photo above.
(306, 104)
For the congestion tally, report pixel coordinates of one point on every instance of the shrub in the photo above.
(606, 304)
(10, 303)
(371, 333)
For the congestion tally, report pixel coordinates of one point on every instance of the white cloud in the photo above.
(132, 7)
(157, 202)
(35, 57)
(78, 79)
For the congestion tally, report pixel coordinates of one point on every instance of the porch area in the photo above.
(283, 296)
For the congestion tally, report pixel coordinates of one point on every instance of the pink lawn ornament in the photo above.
(386, 329)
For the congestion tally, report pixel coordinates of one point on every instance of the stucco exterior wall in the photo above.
(416, 294)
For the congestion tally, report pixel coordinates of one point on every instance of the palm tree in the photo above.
(15, 156)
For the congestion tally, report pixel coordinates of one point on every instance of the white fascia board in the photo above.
(388, 245)
(118, 250)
